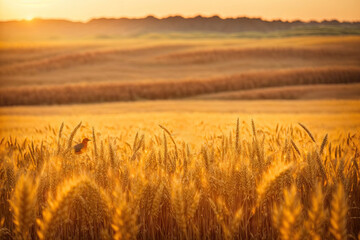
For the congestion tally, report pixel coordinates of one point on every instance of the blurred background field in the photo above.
(138, 68)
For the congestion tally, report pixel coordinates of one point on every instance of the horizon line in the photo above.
(184, 17)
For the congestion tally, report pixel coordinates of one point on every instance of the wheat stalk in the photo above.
(72, 135)
(60, 209)
(308, 132)
(94, 142)
(339, 209)
(23, 204)
(237, 141)
(287, 217)
(60, 132)
(315, 224)
(177, 202)
(124, 222)
(295, 147)
(323, 144)
(273, 181)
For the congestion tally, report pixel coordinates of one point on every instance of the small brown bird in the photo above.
(81, 147)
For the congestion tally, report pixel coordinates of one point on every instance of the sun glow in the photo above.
(29, 18)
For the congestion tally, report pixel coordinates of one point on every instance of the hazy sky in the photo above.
(268, 9)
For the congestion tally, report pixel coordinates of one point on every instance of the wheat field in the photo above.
(135, 69)
(181, 175)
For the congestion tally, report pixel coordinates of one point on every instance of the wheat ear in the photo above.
(339, 210)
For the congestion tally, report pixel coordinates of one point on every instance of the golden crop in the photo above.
(278, 182)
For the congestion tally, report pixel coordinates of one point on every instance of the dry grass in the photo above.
(104, 92)
(246, 182)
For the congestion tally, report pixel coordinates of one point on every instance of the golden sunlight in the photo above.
(168, 119)
(29, 18)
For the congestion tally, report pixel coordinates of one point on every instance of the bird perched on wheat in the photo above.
(81, 147)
